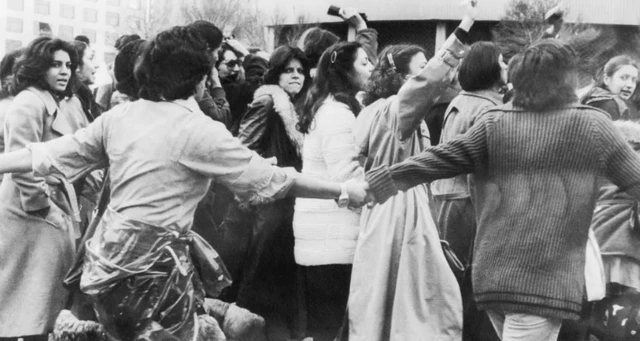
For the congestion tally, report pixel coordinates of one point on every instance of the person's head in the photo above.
(123, 68)
(87, 67)
(314, 41)
(620, 75)
(83, 39)
(482, 68)
(47, 63)
(397, 63)
(255, 66)
(173, 65)
(211, 34)
(546, 78)
(124, 40)
(343, 70)
(6, 72)
(289, 69)
(229, 63)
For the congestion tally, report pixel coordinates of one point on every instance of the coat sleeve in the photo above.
(24, 124)
(338, 143)
(253, 125)
(212, 151)
(420, 92)
(621, 164)
(368, 38)
(72, 156)
(215, 105)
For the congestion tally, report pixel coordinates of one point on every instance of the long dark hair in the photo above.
(36, 60)
(172, 64)
(334, 76)
(6, 72)
(480, 69)
(545, 79)
(386, 79)
(278, 62)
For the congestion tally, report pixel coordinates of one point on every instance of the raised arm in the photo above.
(420, 92)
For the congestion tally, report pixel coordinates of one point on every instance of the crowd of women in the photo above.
(210, 194)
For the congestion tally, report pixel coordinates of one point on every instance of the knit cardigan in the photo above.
(325, 233)
(535, 188)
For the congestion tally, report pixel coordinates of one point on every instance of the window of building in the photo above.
(42, 7)
(113, 19)
(110, 38)
(14, 25)
(135, 23)
(41, 28)
(113, 3)
(67, 11)
(65, 32)
(90, 15)
(91, 34)
(15, 5)
(135, 4)
(12, 45)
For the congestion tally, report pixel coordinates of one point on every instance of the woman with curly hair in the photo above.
(399, 268)
(269, 128)
(616, 85)
(6, 81)
(37, 218)
(325, 230)
(144, 269)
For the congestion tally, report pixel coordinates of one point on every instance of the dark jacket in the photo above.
(612, 104)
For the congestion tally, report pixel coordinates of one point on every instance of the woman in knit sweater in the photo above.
(326, 233)
(536, 163)
(617, 84)
(402, 287)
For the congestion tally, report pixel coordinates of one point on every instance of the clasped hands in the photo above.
(359, 194)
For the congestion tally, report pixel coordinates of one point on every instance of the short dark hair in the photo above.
(36, 60)
(209, 32)
(334, 76)
(545, 79)
(386, 79)
(6, 72)
(316, 41)
(80, 47)
(480, 69)
(124, 39)
(224, 48)
(123, 67)
(83, 39)
(172, 64)
(278, 62)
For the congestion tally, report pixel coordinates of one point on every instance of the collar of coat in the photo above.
(283, 106)
(49, 101)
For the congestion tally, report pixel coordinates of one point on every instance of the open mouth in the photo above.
(626, 93)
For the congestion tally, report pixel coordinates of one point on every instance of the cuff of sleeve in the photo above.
(462, 35)
(452, 51)
(35, 202)
(381, 183)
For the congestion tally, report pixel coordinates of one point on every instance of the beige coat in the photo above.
(35, 251)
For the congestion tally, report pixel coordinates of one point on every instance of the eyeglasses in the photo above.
(232, 63)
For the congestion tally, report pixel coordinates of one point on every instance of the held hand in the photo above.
(238, 47)
(215, 78)
(351, 15)
(470, 9)
(358, 194)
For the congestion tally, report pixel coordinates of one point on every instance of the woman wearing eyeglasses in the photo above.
(36, 219)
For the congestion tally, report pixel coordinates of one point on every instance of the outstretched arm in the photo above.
(16, 162)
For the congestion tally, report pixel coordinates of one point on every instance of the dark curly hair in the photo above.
(334, 76)
(172, 64)
(6, 72)
(545, 79)
(209, 32)
(123, 67)
(31, 67)
(315, 41)
(480, 69)
(278, 62)
(387, 79)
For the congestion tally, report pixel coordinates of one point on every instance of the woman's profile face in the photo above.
(417, 63)
(623, 81)
(59, 72)
(87, 72)
(362, 69)
(292, 77)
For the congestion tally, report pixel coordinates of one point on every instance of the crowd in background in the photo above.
(330, 190)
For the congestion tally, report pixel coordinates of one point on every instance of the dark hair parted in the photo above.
(612, 66)
(6, 72)
(315, 41)
(223, 49)
(172, 64)
(83, 39)
(209, 32)
(545, 79)
(278, 62)
(123, 68)
(386, 79)
(30, 69)
(334, 76)
(480, 69)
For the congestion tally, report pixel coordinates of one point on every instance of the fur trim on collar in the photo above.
(283, 106)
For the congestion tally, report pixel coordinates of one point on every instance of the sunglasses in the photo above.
(232, 63)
